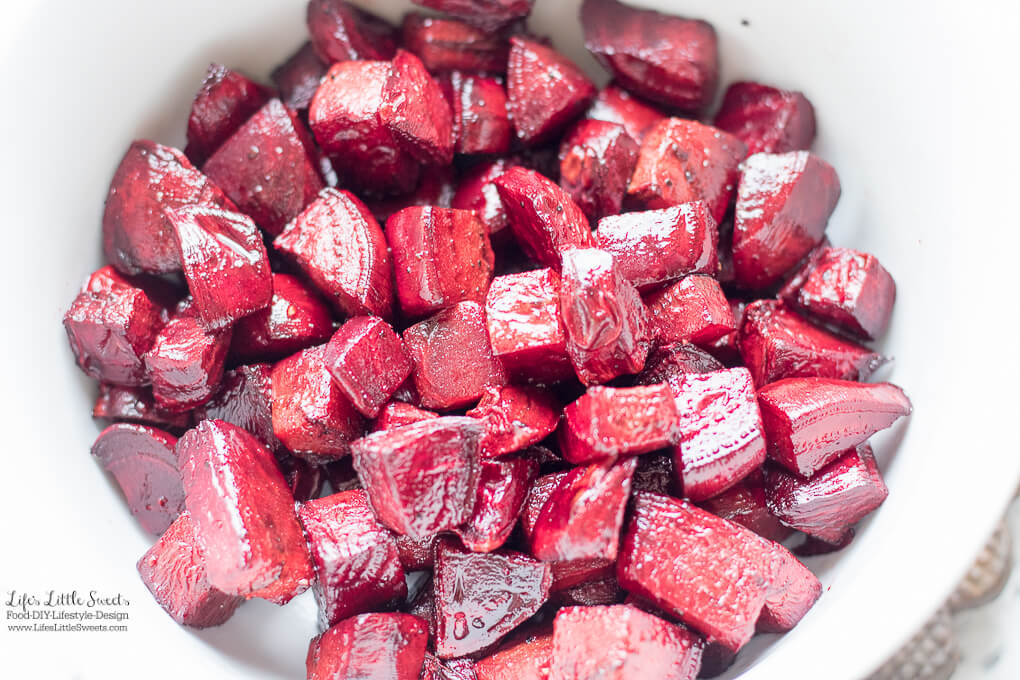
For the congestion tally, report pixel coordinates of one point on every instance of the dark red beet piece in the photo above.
(812, 546)
(605, 320)
(243, 514)
(143, 462)
(525, 657)
(368, 361)
(608, 422)
(744, 504)
(390, 646)
(482, 597)
(445, 44)
(451, 669)
(621, 642)
(591, 594)
(341, 475)
(480, 120)
(397, 414)
(766, 118)
(341, 31)
(668, 59)
(655, 474)
(809, 422)
(596, 160)
(135, 405)
(502, 489)
(342, 250)
(792, 282)
(684, 160)
(174, 571)
(223, 103)
(514, 418)
(715, 659)
(783, 206)
(694, 309)
(245, 399)
(296, 318)
(487, 14)
(613, 104)
(356, 563)
(477, 191)
(304, 480)
(417, 554)
(776, 343)
(545, 90)
(298, 78)
(541, 489)
(435, 188)
(421, 478)
(670, 363)
(415, 111)
(793, 589)
(726, 349)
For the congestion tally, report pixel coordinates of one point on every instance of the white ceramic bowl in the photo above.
(905, 101)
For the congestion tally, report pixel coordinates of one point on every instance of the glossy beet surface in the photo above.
(487, 14)
(368, 361)
(298, 77)
(525, 657)
(477, 191)
(397, 414)
(767, 118)
(340, 31)
(502, 489)
(225, 100)
(596, 160)
(614, 104)
(745, 504)
(694, 309)
(135, 405)
(670, 363)
(415, 111)
(480, 120)
(296, 318)
(451, 669)
(388, 646)
(245, 399)
(514, 418)
(446, 44)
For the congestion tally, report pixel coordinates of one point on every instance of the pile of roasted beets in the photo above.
(578, 355)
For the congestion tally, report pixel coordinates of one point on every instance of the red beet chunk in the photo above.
(777, 343)
(417, 554)
(368, 361)
(794, 590)
(607, 422)
(809, 422)
(296, 318)
(726, 349)
(344, 116)
(341, 31)
(445, 44)
(480, 119)
(482, 597)
(311, 415)
(421, 478)
(397, 414)
(453, 361)
(415, 111)
(298, 78)
(526, 657)
(245, 399)
(605, 320)
(721, 436)
(613, 104)
(514, 418)
(591, 594)
(135, 405)
(342, 250)
(304, 480)
(502, 489)
(540, 491)
(487, 14)
(621, 642)
(477, 191)
(670, 363)
(745, 504)
(243, 513)
(793, 282)
(694, 309)
(356, 563)
(783, 206)
(684, 160)
(596, 160)
(388, 646)
(225, 263)
(174, 571)
(545, 90)
(223, 103)
(812, 546)
(766, 118)
(656, 246)
(143, 462)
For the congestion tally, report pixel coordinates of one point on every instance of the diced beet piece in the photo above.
(482, 597)
(525, 657)
(143, 462)
(766, 118)
(613, 104)
(596, 161)
(665, 58)
(243, 514)
(793, 590)
(397, 414)
(670, 363)
(545, 90)
(378, 645)
(777, 343)
(174, 571)
(655, 246)
(591, 594)
(223, 103)
(809, 422)
(477, 191)
(684, 160)
(340, 31)
(368, 361)
(417, 553)
(453, 361)
(525, 325)
(694, 309)
(514, 418)
(727, 348)
(421, 478)
(344, 116)
(445, 44)
(608, 422)
(487, 14)
(415, 111)
(267, 167)
(783, 206)
(356, 563)
(311, 415)
(621, 642)
(304, 480)
(744, 503)
(135, 405)
(225, 263)
(342, 250)
(245, 399)
(605, 320)
(655, 474)
(295, 319)
(793, 281)
(502, 489)
(581, 520)
(298, 78)
(540, 491)
(480, 120)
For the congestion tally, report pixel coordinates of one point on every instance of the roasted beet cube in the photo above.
(390, 646)
(421, 478)
(340, 31)
(607, 422)
(794, 280)
(668, 59)
(514, 418)
(135, 405)
(296, 318)
(777, 343)
(298, 78)
(342, 250)
(415, 111)
(487, 14)
(540, 491)
(809, 422)
(545, 90)
(766, 118)
(356, 563)
(613, 104)
(783, 206)
(268, 167)
(694, 309)
(524, 657)
(245, 399)
(502, 489)
(684, 160)
(605, 320)
(482, 597)
(621, 642)
(480, 120)
(397, 414)
(745, 504)
(453, 361)
(223, 103)
(445, 44)
(477, 191)
(670, 363)
(174, 571)
(655, 246)
(243, 514)
(368, 361)
(596, 160)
